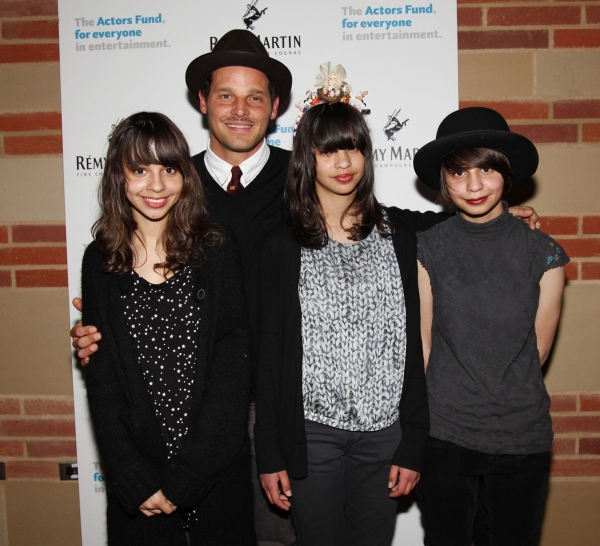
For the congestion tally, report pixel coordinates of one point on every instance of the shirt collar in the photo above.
(220, 170)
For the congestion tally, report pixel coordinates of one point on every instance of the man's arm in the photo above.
(84, 338)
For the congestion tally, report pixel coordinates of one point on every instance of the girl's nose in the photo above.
(156, 183)
(474, 183)
(343, 159)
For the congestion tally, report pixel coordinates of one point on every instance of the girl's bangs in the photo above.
(336, 130)
(156, 146)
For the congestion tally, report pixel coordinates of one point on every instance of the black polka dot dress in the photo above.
(163, 323)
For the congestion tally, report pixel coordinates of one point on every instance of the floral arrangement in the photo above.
(331, 88)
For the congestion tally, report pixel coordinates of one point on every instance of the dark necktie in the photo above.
(235, 185)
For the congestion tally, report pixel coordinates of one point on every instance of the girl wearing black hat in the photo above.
(491, 292)
(169, 393)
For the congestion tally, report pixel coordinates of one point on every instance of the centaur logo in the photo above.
(393, 125)
(252, 14)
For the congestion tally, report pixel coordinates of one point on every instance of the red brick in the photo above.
(33, 145)
(583, 423)
(581, 248)
(577, 37)
(18, 8)
(558, 225)
(591, 224)
(31, 469)
(29, 53)
(10, 406)
(592, 14)
(42, 278)
(571, 271)
(590, 401)
(544, 134)
(28, 233)
(589, 446)
(575, 467)
(48, 406)
(5, 279)
(11, 448)
(41, 255)
(37, 427)
(470, 17)
(568, 109)
(563, 402)
(590, 271)
(3, 234)
(66, 448)
(30, 122)
(503, 39)
(514, 16)
(513, 109)
(29, 30)
(591, 132)
(563, 446)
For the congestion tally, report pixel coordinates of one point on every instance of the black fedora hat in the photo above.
(475, 127)
(239, 48)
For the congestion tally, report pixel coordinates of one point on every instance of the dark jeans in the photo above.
(515, 489)
(344, 500)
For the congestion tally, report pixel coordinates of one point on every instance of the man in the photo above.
(240, 88)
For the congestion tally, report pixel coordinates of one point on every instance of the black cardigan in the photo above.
(279, 431)
(127, 429)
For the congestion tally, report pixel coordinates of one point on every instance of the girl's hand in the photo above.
(402, 481)
(278, 489)
(527, 214)
(156, 504)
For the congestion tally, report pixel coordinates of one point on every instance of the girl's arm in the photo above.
(426, 311)
(546, 318)
(131, 478)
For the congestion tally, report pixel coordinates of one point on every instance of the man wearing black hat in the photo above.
(240, 88)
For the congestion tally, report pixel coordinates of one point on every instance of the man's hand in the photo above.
(156, 504)
(279, 496)
(84, 337)
(402, 481)
(526, 214)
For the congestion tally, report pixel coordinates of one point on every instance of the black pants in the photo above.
(344, 500)
(515, 489)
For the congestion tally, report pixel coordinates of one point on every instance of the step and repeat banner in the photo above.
(117, 58)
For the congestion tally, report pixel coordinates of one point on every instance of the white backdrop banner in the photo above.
(119, 57)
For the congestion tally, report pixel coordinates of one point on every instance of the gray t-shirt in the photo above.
(353, 334)
(484, 379)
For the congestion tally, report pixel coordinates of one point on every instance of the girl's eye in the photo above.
(486, 170)
(170, 170)
(139, 171)
(458, 173)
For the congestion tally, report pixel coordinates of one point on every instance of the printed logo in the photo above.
(252, 15)
(393, 125)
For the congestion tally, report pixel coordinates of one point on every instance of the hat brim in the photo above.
(520, 151)
(202, 66)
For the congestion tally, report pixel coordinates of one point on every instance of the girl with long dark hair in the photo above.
(342, 417)
(169, 394)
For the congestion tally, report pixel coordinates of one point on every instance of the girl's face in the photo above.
(152, 191)
(477, 193)
(339, 172)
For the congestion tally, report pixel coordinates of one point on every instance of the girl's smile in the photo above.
(339, 172)
(152, 190)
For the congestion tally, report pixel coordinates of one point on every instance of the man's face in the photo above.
(239, 109)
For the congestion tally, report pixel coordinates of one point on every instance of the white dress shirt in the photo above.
(220, 170)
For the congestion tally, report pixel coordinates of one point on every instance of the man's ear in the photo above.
(274, 107)
(203, 108)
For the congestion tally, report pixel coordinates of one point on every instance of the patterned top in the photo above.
(163, 323)
(353, 334)
(484, 380)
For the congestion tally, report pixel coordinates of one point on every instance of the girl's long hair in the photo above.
(327, 128)
(148, 138)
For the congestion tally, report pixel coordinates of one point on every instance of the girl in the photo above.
(169, 395)
(342, 416)
(491, 293)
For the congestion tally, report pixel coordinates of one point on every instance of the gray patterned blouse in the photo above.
(353, 334)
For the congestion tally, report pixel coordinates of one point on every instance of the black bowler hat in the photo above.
(475, 127)
(239, 48)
